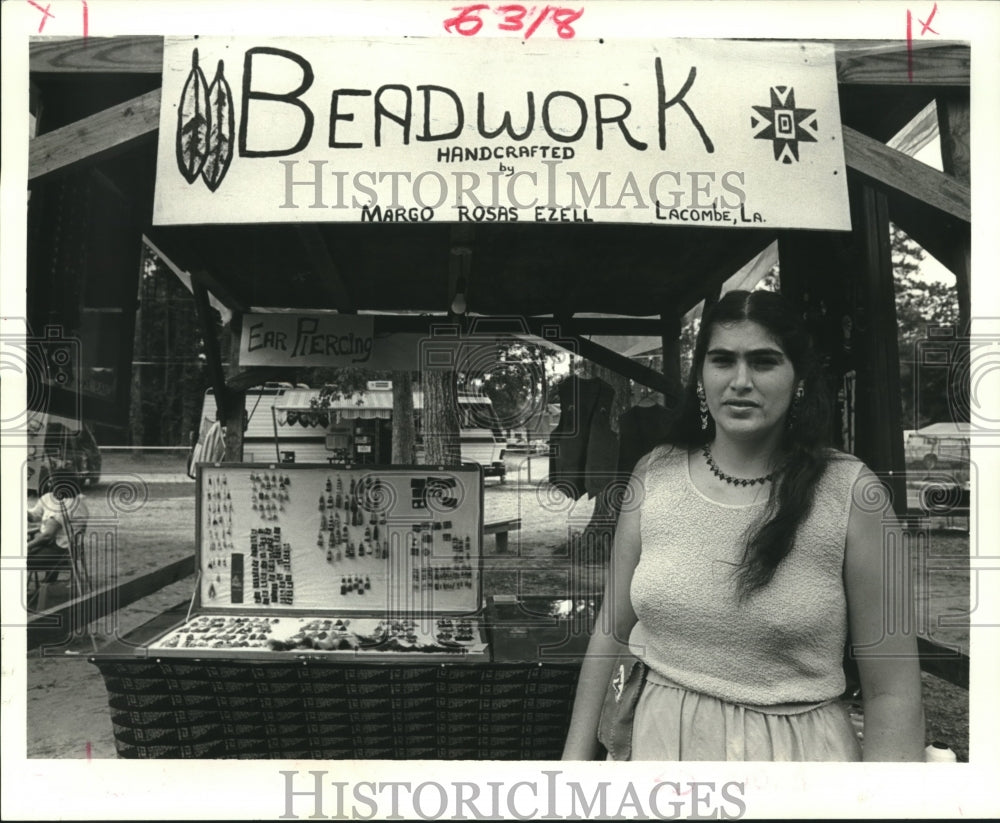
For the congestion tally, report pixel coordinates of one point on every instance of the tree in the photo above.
(339, 383)
(921, 304)
(440, 418)
(404, 435)
(518, 383)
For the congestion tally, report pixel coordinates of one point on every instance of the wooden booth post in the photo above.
(879, 419)
(814, 276)
(844, 285)
(670, 340)
(953, 124)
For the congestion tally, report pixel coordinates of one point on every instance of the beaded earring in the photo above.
(702, 406)
(793, 410)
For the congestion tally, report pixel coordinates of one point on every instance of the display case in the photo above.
(338, 612)
(375, 563)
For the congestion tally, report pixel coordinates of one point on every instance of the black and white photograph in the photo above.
(417, 409)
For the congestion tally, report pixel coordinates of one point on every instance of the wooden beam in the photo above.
(213, 356)
(56, 625)
(944, 662)
(180, 250)
(670, 340)
(879, 425)
(898, 171)
(918, 132)
(96, 55)
(881, 63)
(324, 267)
(956, 160)
(614, 361)
(732, 256)
(108, 132)
(858, 62)
(940, 235)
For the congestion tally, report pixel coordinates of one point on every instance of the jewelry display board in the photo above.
(335, 560)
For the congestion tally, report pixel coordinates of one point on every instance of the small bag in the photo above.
(614, 729)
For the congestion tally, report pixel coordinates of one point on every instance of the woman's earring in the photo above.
(702, 407)
(796, 400)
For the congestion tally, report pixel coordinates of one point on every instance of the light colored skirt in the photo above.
(672, 723)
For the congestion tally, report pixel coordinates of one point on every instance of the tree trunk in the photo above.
(235, 407)
(441, 428)
(403, 428)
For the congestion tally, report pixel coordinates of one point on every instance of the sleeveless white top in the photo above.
(783, 644)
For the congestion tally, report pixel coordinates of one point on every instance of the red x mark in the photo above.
(927, 26)
(46, 14)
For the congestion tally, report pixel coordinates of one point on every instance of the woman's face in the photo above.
(748, 380)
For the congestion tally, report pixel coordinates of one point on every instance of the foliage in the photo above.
(168, 375)
(921, 305)
(519, 380)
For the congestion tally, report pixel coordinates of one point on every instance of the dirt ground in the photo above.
(67, 707)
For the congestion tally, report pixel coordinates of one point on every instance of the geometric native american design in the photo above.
(784, 125)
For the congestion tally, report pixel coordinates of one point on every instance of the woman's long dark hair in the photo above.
(803, 440)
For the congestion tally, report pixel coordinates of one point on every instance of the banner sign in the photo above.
(307, 339)
(667, 132)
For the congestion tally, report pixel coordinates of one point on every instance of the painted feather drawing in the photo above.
(193, 123)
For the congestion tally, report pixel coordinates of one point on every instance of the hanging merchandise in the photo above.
(583, 449)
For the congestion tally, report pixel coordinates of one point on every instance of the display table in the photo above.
(338, 612)
(297, 706)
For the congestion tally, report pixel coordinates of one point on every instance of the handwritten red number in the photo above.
(467, 22)
(564, 20)
(513, 17)
(537, 23)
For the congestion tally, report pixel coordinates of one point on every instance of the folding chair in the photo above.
(46, 563)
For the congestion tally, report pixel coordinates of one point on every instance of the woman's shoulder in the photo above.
(665, 453)
(843, 461)
(843, 470)
(659, 459)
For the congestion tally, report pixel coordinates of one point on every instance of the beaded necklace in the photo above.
(733, 481)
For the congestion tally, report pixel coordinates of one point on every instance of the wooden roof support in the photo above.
(859, 62)
(881, 63)
(670, 339)
(899, 171)
(96, 55)
(879, 412)
(937, 234)
(918, 132)
(614, 361)
(181, 251)
(212, 354)
(740, 248)
(324, 266)
(107, 132)
(953, 122)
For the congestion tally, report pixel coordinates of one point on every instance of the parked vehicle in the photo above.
(284, 425)
(937, 462)
(58, 445)
(939, 446)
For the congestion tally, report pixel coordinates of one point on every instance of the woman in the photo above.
(750, 553)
